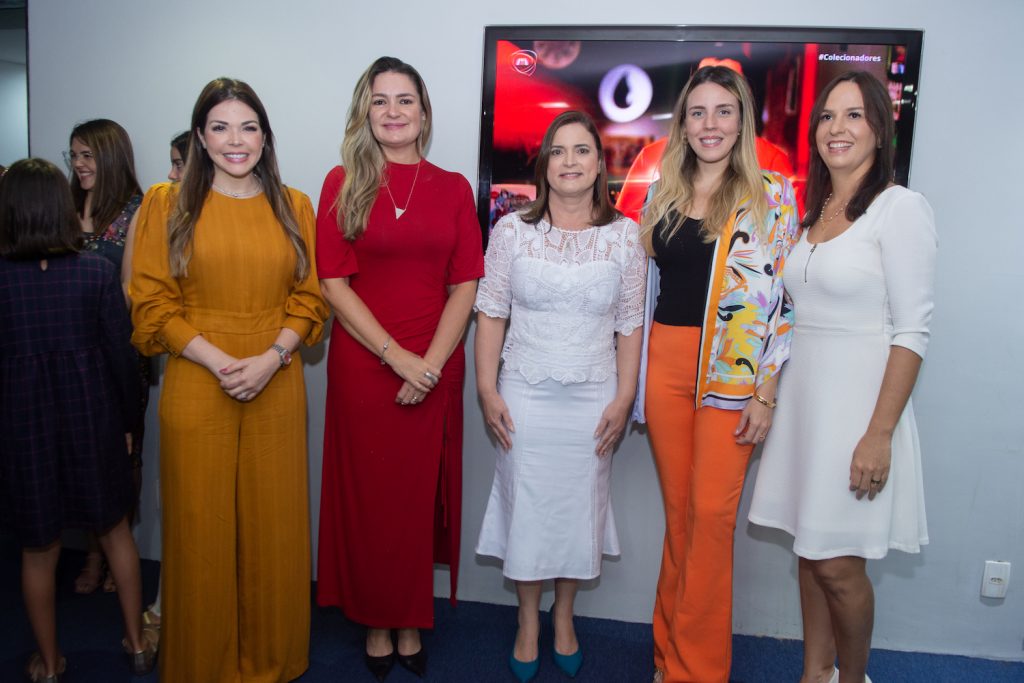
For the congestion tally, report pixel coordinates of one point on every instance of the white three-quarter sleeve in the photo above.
(494, 293)
(629, 315)
(908, 244)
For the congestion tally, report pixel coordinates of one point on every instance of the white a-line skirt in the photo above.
(550, 512)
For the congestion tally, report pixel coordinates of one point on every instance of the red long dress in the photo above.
(390, 505)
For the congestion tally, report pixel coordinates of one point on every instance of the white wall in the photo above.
(13, 96)
(303, 59)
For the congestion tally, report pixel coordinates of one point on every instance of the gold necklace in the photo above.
(398, 211)
(824, 228)
(821, 214)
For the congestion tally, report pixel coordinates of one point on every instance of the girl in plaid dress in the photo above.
(69, 393)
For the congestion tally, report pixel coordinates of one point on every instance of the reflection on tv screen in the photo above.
(629, 83)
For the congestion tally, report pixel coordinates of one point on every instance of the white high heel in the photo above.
(835, 677)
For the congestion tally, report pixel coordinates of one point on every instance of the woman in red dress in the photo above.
(398, 253)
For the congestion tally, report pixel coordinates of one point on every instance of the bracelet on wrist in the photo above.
(384, 349)
(763, 401)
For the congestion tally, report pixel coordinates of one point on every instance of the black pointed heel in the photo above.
(416, 662)
(380, 667)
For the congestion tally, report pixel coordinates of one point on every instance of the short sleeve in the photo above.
(467, 259)
(629, 315)
(335, 256)
(908, 243)
(305, 309)
(157, 304)
(494, 295)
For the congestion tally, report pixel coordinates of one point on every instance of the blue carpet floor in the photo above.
(470, 644)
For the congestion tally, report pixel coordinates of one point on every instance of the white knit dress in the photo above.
(567, 292)
(854, 296)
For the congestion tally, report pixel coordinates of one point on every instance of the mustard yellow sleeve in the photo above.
(306, 309)
(157, 305)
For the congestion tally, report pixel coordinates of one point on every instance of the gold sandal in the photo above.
(143, 661)
(91, 575)
(36, 669)
(151, 626)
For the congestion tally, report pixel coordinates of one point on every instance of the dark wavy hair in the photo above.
(197, 179)
(115, 182)
(37, 214)
(603, 211)
(878, 112)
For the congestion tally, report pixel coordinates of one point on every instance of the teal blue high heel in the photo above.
(523, 671)
(569, 664)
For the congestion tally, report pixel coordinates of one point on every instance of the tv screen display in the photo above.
(627, 79)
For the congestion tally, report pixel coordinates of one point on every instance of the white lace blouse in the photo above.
(567, 293)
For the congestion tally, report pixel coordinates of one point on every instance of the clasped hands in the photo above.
(420, 375)
(243, 379)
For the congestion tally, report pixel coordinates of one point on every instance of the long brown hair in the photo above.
(603, 212)
(197, 179)
(878, 112)
(742, 181)
(115, 183)
(361, 153)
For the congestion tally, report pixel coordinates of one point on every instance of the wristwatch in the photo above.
(285, 354)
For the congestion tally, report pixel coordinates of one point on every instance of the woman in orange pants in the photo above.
(718, 229)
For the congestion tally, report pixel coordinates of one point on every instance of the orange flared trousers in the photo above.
(701, 469)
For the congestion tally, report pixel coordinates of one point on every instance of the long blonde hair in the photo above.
(742, 182)
(361, 153)
(197, 179)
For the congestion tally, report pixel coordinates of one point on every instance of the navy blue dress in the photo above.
(69, 391)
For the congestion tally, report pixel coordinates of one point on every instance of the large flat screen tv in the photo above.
(628, 78)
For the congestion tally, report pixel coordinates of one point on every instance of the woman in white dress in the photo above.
(841, 470)
(570, 273)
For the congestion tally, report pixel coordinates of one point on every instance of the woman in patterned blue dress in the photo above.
(107, 197)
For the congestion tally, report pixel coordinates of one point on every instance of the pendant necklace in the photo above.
(823, 220)
(398, 211)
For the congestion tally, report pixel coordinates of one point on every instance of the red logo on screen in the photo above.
(524, 61)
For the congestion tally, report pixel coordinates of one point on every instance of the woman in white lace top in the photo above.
(570, 274)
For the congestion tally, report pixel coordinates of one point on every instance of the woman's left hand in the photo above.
(869, 467)
(755, 421)
(409, 395)
(611, 426)
(244, 379)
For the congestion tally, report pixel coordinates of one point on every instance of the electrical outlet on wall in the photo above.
(996, 579)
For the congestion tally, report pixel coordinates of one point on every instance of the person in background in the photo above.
(107, 197)
(69, 399)
(179, 153)
(399, 253)
(224, 281)
(841, 471)
(570, 272)
(718, 229)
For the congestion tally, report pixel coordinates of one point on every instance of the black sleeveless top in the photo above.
(684, 263)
